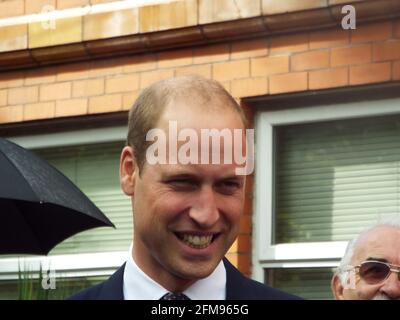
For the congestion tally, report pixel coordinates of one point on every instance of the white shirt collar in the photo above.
(139, 286)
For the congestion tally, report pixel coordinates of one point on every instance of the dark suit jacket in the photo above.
(238, 287)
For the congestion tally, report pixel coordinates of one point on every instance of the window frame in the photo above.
(68, 265)
(311, 254)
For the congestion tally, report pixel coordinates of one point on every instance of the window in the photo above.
(65, 287)
(90, 158)
(309, 283)
(323, 174)
(94, 169)
(331, 174)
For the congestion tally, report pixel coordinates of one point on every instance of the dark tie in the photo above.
(174, 296)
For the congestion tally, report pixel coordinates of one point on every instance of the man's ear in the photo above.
(337, 288)
(127, 170)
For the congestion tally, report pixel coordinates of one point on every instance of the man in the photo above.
(186, 210)
(370, 268)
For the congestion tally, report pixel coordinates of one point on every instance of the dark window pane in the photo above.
(308, 283)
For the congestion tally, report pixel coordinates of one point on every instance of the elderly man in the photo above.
(370, 268)
(186, 207)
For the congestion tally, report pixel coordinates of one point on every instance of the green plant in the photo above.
(25, 284)
(30, 284)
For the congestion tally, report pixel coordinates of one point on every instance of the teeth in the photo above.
(198, 242)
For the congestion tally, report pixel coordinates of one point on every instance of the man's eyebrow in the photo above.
(178, 175)
(189, 175)
(232, 177)
(376, 259)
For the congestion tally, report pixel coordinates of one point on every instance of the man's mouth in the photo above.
(196, 241)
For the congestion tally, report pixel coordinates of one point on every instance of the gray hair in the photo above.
(392, 221)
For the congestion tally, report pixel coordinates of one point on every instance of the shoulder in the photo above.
(239, 287)
(111, 289)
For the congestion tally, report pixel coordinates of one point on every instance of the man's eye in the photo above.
(228, 187)
(182, 184)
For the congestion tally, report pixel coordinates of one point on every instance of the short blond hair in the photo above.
(149, 106)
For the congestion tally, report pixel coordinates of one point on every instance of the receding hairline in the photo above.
(354, 244)
(192, 108)
(196, 90)
(365, 236)
(148, 108)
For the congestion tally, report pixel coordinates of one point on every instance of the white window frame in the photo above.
(68, 265)
(314, 254)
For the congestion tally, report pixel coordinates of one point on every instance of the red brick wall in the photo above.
(265, 66)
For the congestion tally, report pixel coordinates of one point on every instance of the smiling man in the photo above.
(186, 213)
(370, 268)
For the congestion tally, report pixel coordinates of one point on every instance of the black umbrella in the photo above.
(39, 206)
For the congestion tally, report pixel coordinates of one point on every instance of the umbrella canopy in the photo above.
(39, 206)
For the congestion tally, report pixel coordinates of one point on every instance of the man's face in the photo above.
(380, 244)
(186, 216)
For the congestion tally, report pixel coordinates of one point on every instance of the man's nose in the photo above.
(391, 286)
(205, 211)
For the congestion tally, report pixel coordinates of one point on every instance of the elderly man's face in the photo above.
(186, 216)
(380, 244)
